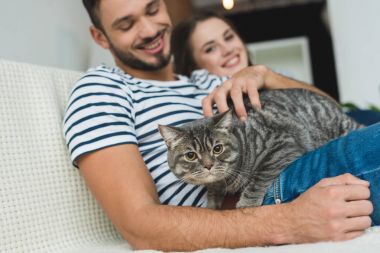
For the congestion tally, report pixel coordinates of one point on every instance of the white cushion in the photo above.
(44, 203)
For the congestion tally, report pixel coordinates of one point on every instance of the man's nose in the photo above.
(147, 28)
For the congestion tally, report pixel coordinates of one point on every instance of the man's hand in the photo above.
(247, 81)
(334, 209)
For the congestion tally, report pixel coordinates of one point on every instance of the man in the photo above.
(110, 128)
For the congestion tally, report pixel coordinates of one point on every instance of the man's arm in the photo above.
(248, 81)
(121, 183)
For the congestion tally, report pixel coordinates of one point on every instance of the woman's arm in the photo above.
(249, 81)
(121, 183)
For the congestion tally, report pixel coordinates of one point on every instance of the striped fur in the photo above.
(291, 122)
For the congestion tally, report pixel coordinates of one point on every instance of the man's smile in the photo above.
(155, 45)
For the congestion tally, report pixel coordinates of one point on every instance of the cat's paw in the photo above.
(242, 203)
(214, 205)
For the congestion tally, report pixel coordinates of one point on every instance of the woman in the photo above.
(208, 41)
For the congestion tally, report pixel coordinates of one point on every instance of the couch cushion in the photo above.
(44, 203)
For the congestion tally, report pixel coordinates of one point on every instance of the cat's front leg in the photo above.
(253, 194)
(215, 196)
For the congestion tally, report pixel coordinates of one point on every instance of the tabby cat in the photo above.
(230, 156)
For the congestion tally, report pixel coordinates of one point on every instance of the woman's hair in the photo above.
(181, 48)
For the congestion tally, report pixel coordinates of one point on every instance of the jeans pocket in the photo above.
(273, 194)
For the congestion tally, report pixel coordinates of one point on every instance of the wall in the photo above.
(355, 29)
(179, 10)
(45, 32)
(55, 33)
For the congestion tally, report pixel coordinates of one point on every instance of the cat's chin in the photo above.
(209, 179)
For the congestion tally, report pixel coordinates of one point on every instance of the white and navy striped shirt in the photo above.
(108, 107)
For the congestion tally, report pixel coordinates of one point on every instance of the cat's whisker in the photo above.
(182, 180)
(243, 173)
(238, 179)
(198, 173)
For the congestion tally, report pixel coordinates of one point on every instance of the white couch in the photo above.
(44, 203)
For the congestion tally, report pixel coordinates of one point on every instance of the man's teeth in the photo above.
(153, 45)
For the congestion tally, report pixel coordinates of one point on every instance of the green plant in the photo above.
(374, 108)
(352, 107)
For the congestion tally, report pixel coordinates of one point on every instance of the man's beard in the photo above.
(131, 61)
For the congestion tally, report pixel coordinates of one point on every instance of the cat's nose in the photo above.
(208, 166)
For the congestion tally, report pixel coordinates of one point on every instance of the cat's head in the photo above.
(203, 151)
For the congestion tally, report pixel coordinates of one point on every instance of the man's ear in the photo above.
(99, 37)
(171, 135)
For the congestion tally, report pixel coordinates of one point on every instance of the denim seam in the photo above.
(368, 172)
(277, 190)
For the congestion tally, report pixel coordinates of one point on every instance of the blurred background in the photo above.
(333, 44)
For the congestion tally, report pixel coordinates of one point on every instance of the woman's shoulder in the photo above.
(201, 77)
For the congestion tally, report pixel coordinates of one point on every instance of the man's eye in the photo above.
(126, 27)
(153, 10)
(190, 156)
(218, 149)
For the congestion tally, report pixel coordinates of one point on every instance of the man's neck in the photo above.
(164, 74)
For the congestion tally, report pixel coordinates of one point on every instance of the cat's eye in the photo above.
(190, 156)
(218, 149)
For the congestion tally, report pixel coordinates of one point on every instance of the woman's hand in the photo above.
(245, 82)
(248, 82)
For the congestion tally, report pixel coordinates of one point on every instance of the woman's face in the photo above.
(217, 48)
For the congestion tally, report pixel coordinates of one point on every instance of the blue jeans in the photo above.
(357, 153)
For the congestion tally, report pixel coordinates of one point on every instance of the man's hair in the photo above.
(92, 7)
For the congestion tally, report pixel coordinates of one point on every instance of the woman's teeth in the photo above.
(232, 62)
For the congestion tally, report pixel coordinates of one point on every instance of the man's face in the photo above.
(138, 32)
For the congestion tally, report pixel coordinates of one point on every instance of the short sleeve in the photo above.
(99, 114)
(204, 80)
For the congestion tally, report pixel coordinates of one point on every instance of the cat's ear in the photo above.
(171, 135)
(224, 120)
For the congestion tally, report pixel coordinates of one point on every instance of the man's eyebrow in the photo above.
(121, 20)
(128, 17)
